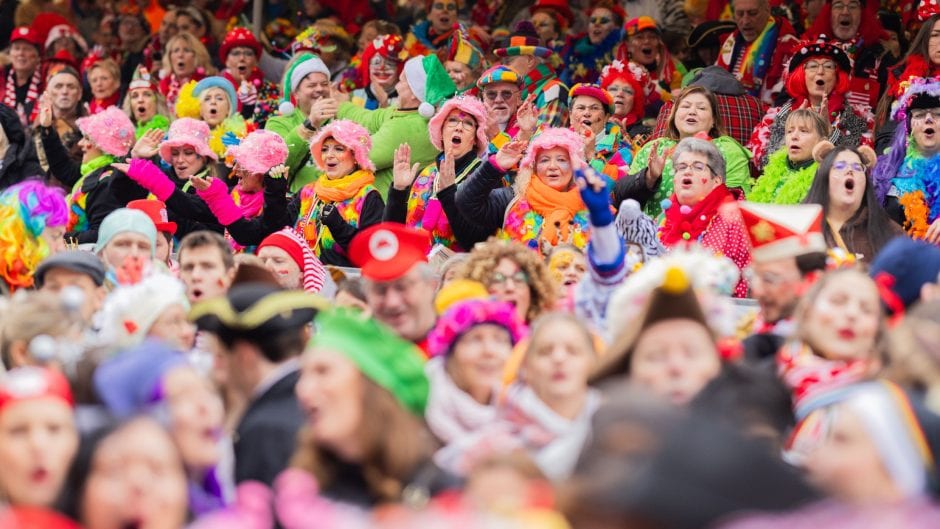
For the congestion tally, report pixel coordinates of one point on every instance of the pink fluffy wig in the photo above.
(353, 135)
(470, 105)
(556, 137)
(260, 151)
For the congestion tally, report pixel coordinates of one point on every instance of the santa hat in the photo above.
(303, 65)
(430, 83)
(314, 273)
(142, 80)
(780, 232)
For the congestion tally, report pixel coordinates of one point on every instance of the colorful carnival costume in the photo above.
(385, 48)
(758, 65)
(26, 211)
(541, 82)
(230, 129)
(783, 182)
(257, 96)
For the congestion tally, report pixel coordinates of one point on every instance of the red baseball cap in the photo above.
(26, 383)
(29, 35)
(388, 250)
(156, 210)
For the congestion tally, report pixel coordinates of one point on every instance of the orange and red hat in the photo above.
(388, 250)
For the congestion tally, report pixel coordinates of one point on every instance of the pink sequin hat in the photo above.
(191, 132)
(259, 151)
(353, 135)
(556, 137)
(110, 130)
(470, 105)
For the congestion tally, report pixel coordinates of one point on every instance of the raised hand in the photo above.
(447, 175)
(45, 110)
(655, 166)
(200, 183)
(510, 154)
(339, 95)
(403, 173)
(380, 94)
(322, 110)
(279, 171)
(527, 116)
(148, 145)
(123, 167)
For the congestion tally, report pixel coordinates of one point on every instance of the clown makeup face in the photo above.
(66, 92)
(501, 101)
(442, 15)
(644, 47)
(623, 94)
(568, 267)
(846, 17)
(196, 416)
(751, 17)
(283, 266)
(214, 106)
(38, 440)
(459, 133)
(186, 161)
(509, 283)
(240, 62)
(693, 179)
(693, 115)
(477, 360)
(801, 136)
(136, 479)
(103, 84)
(558, 363)
(821, 75)
(925, 128)
(843, 321)
(545, 26)
(24, 56)
(383, 71)
(338, 159)
(460, 74)
(601, 24)
(675, 359)
(588, 113)
(182, 59)
(848, 465)
(173, 327)
(846, 182)
(143, 104)
(249, 182)
(553, 166)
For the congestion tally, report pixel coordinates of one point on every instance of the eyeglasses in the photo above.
(921, 114)
(698, 167)
(381, 62)
(494, 95)
(813, 66)
(499, 278)
(601, 20)
(588, 108)
(457, 122)
(444, 7)
(850, 6)
(242, 53)
(842, 166)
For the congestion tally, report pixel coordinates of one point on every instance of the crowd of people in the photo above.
(541, 264)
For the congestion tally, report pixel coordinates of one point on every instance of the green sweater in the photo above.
(303, 170)
(390, 128)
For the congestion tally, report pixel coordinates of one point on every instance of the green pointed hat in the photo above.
(380, 355)
(430, 83)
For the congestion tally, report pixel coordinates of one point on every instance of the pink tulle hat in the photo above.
(259, 151)
(110, 130)
(191, 132)
(470, 105)
(353, 135)
(556, 137)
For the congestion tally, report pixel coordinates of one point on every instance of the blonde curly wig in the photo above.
(485, 257)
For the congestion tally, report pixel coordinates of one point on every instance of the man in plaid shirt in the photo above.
(740, 113)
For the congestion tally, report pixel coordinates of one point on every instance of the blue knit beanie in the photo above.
(219, 82)
(126, 220)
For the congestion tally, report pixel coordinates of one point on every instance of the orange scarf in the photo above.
(557, 208)
(343, 188)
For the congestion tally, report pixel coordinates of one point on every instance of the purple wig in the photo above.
(888, 165)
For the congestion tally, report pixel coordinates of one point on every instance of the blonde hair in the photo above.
(162, 109)
(813, 118)
(110, 66)
(202, 54)
(29, 315)
(485, 258)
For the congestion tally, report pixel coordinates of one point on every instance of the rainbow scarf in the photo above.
(78, 198)
(425, 211)
(308, 222)
(920, 174)
(523, 224)
(757, 56)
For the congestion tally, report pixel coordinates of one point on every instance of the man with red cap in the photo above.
(156, 210)
(23, 77)
(400, 284)
(788, 251)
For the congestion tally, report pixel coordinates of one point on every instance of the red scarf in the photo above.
(97, 105)
(32, 94)
(696, 220)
